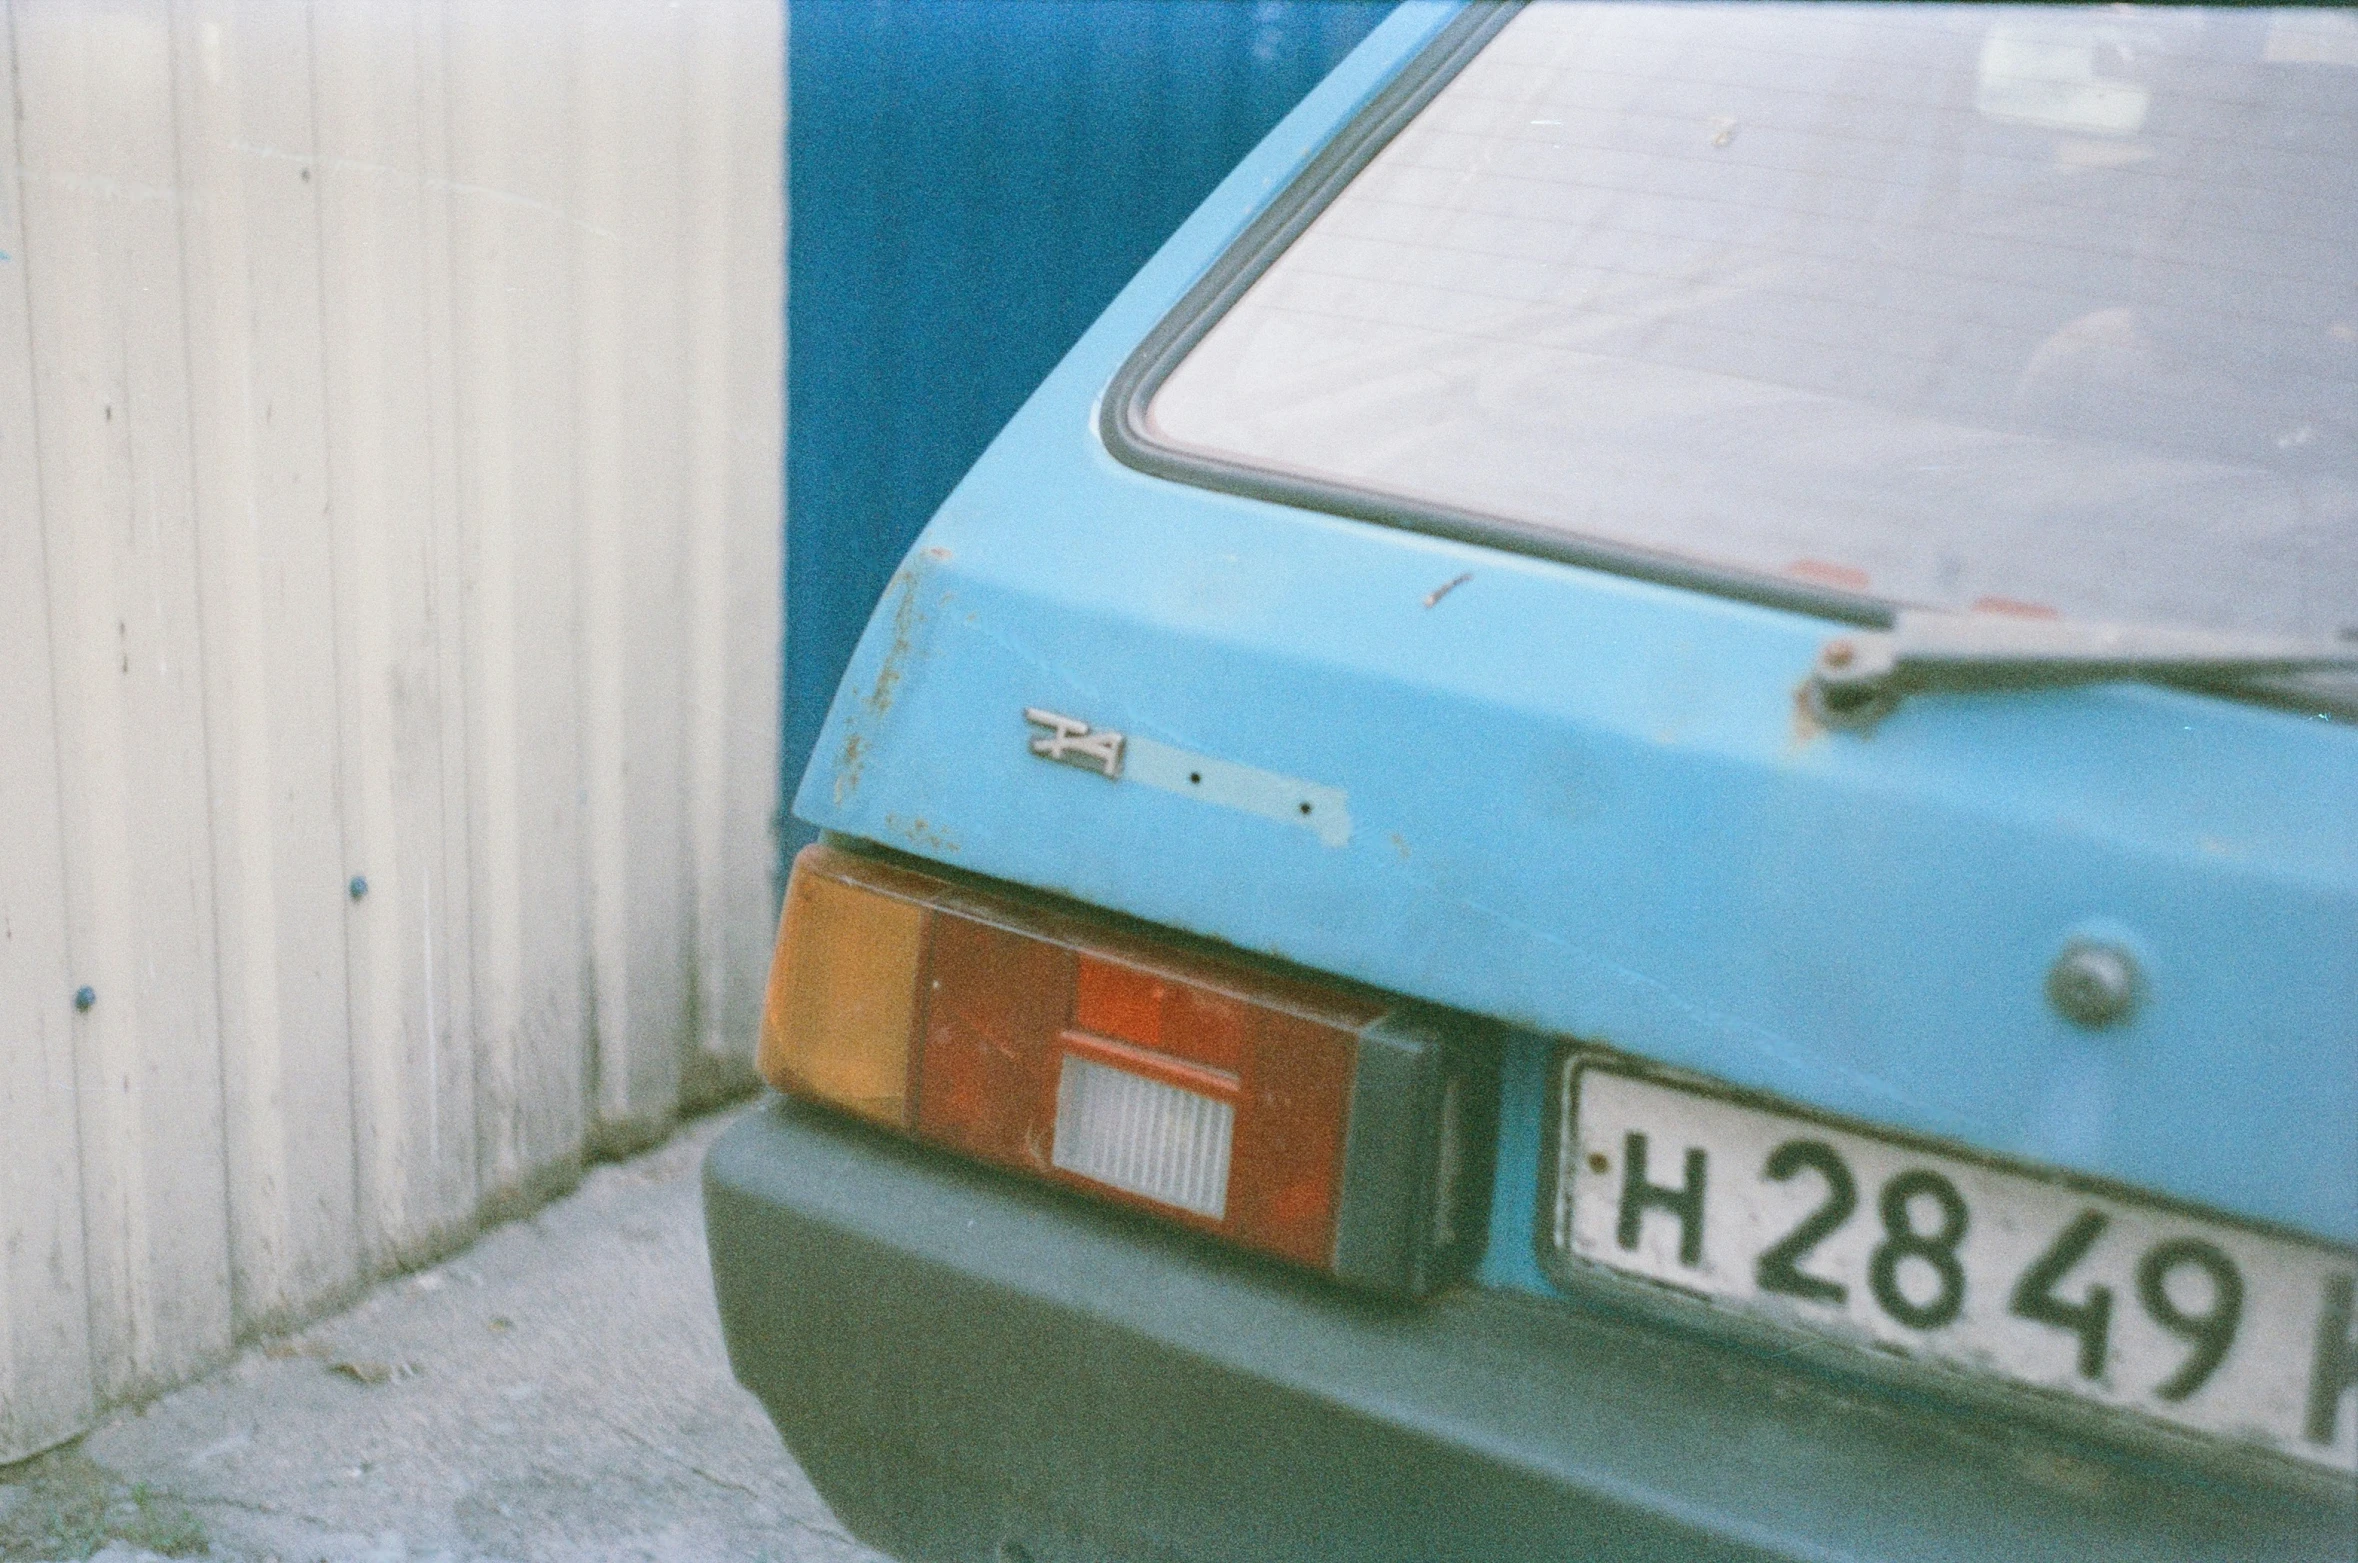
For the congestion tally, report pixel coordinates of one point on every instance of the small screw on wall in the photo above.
(358, 887)
(84, 997)
(2093, 985)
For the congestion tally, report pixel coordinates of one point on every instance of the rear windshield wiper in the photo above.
(1861, 675)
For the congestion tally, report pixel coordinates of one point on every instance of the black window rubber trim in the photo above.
(1122, 411)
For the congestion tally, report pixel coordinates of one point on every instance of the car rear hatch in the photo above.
(1595, 805)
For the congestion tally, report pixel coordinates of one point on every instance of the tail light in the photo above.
(1301, 1119)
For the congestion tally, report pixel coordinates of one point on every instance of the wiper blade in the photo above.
(1860, 676)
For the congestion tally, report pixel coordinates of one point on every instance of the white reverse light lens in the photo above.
(1143, 1137)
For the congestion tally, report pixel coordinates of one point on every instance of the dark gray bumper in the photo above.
(961, 1360)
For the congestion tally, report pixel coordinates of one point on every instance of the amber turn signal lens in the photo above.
(1301, 1118)
(842, 1001)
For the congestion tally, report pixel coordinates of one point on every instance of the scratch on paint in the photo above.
(1446, 587)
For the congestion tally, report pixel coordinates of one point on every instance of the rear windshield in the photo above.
(2033, 310)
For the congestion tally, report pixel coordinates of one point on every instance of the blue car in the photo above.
(1627, 827)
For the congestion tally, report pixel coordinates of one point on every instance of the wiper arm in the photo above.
(1860, 676)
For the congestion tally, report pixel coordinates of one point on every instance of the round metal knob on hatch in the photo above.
(2093, 985)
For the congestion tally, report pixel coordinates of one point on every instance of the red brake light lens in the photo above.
(1297, 1118)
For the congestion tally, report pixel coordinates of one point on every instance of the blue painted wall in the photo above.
(970, 182)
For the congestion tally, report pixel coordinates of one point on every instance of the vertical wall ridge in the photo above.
(389, 399)
(46, 1387)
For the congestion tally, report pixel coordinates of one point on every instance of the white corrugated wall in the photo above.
(389, 490)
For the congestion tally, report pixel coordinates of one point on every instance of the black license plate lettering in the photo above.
(1779, 1268)
(2034, 1297)
(1887, 1242)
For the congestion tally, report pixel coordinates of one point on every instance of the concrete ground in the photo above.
(555, 1394)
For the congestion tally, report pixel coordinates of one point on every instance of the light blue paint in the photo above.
(1581, 803)
(1512, 1258)
(1289, 800)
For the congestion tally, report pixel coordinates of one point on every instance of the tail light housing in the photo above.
(1307, 1120)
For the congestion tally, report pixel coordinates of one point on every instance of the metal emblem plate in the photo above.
(1070, 741)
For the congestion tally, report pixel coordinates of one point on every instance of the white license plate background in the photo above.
(2259, 1394)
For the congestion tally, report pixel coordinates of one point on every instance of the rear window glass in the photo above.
(2041, 309)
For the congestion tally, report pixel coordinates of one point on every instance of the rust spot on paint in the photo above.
(1807, 729)
(907, 622)
(1825, 573)
(920, 834)
(904, 629)
(848, 765)
(2014, 608)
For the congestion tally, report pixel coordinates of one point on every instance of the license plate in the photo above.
(1865, 1238)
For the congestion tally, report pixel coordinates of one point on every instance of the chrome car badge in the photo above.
(1072, 742)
